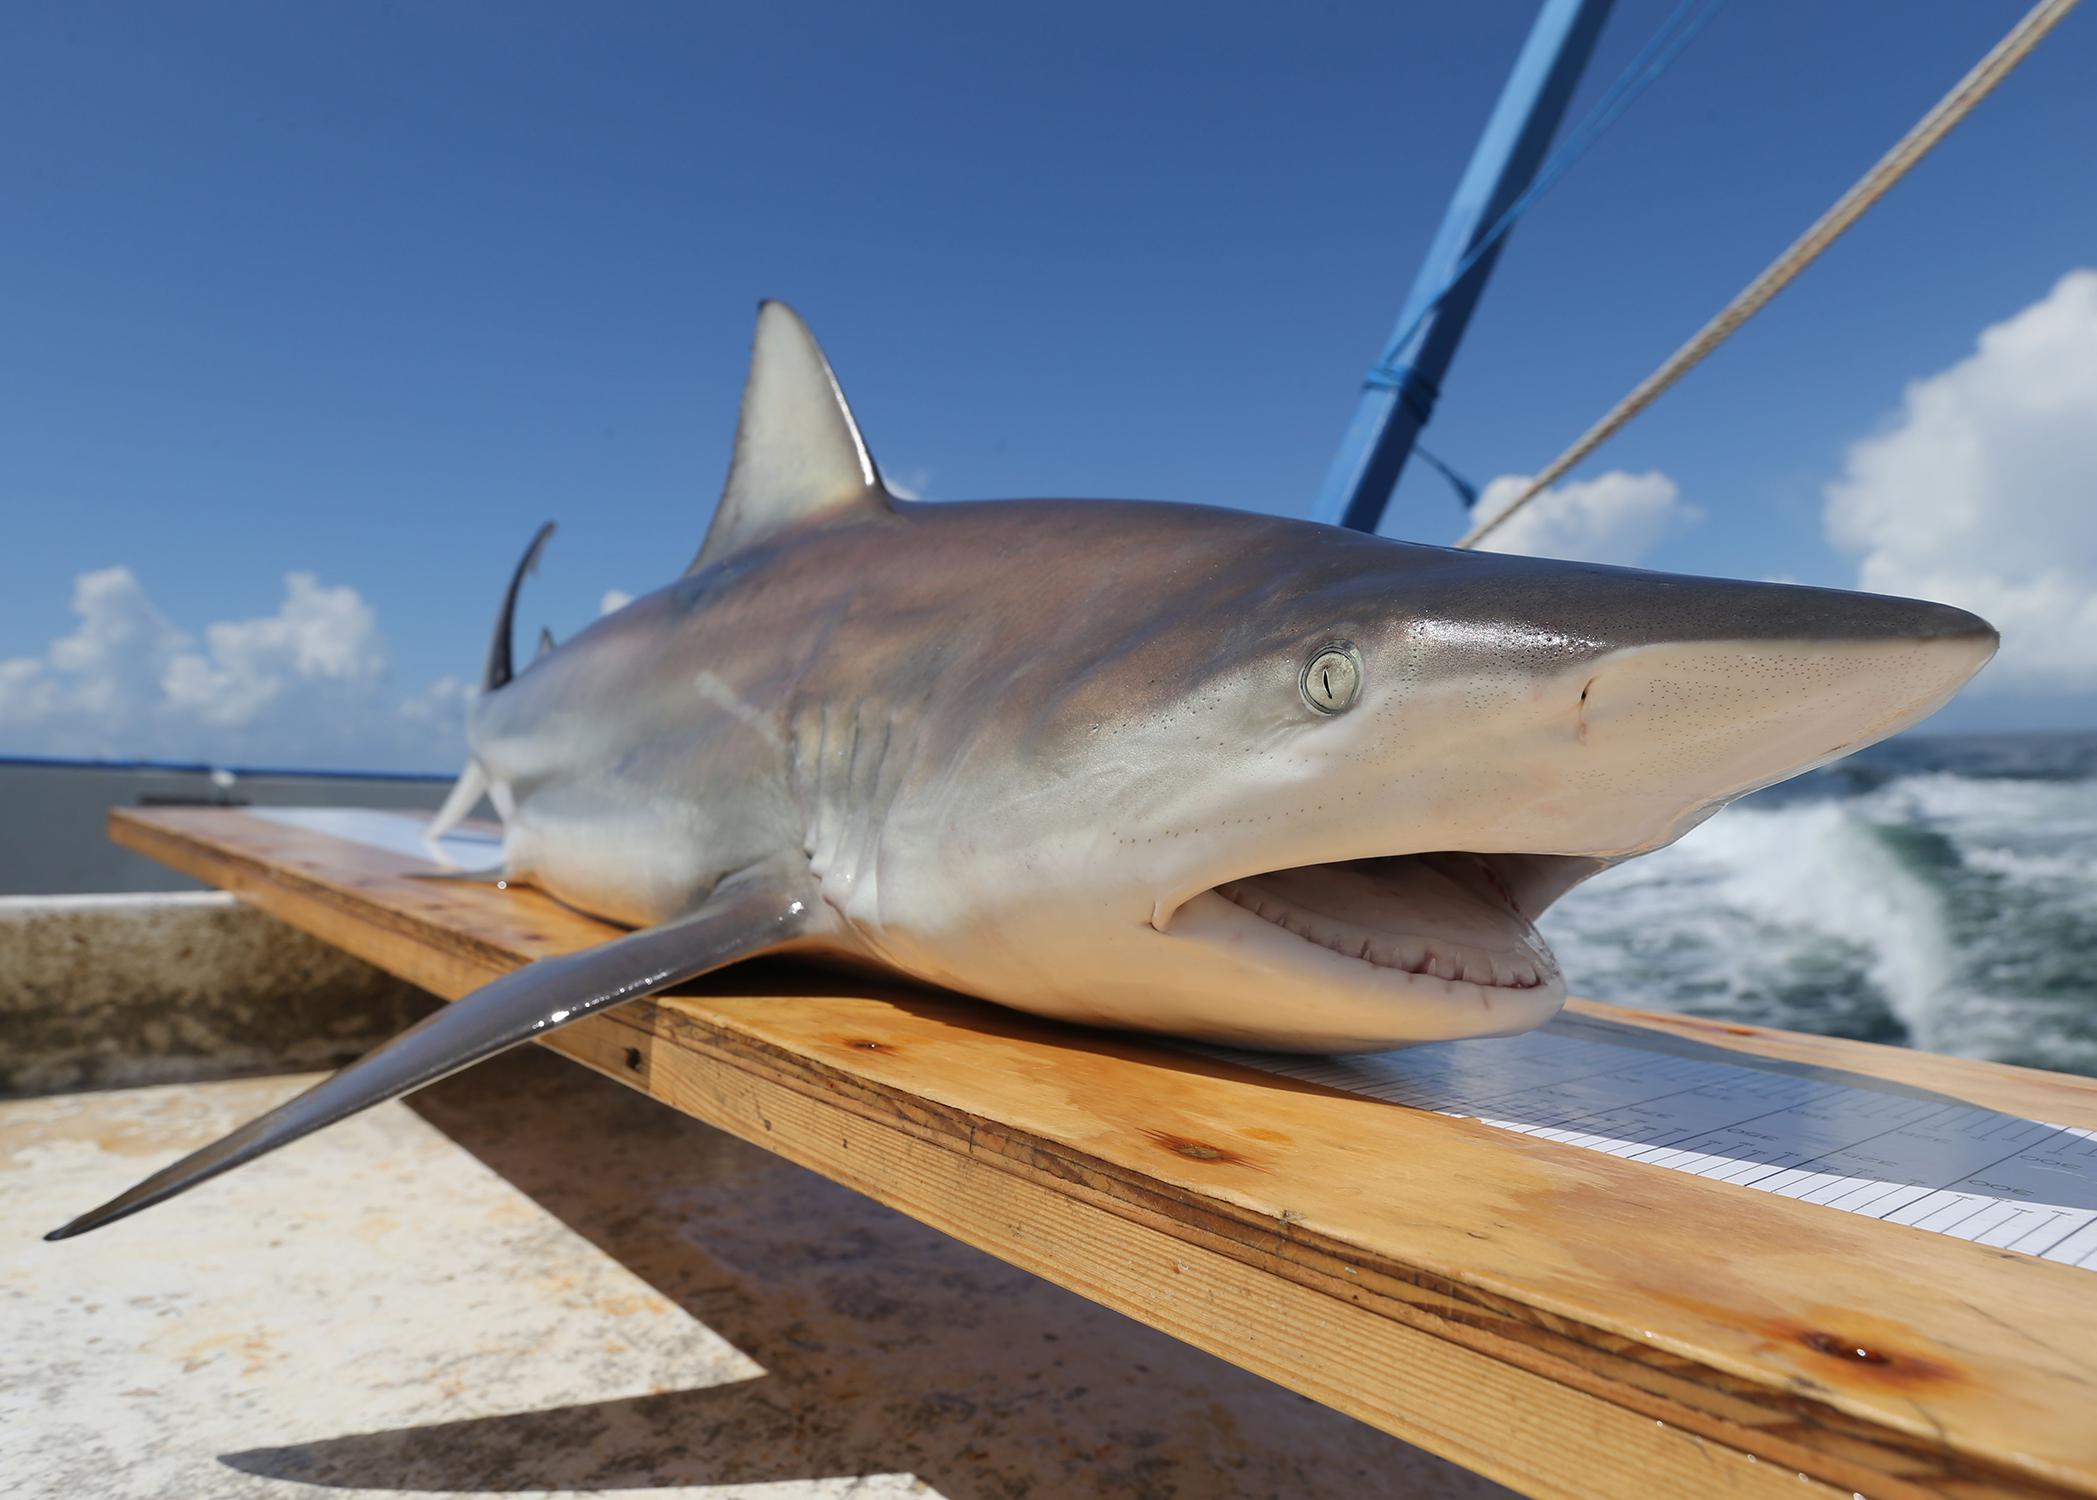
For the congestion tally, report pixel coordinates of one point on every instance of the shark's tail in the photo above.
(499, 672)
(473, 783)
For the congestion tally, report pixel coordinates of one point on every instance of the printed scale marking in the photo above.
(1866, 1146)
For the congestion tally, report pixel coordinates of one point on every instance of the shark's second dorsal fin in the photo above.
(798, 453)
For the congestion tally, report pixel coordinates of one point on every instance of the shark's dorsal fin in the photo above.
(798, 453)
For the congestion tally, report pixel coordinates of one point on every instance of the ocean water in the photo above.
(1938, 893)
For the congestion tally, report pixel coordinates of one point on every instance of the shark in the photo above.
(1220, 775)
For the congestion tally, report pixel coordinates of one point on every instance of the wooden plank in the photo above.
(1564, 1321)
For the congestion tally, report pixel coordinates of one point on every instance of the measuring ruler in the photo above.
(1865, 1145)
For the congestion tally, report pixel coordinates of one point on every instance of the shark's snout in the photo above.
(1664, 730)
(1571, 709)
(1646, 701)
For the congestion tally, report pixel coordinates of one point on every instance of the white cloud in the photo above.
(305, 685)
(1983, 491)
(441, 707)
(613, 599)
(1613, 518)
(113, 660)
(318, 635)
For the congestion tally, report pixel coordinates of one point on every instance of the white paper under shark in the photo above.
(1185, 770)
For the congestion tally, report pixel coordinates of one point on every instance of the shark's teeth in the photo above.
(1522, 964)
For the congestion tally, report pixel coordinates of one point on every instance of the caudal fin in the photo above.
(499, 671)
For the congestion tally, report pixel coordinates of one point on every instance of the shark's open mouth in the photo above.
(1465, 918)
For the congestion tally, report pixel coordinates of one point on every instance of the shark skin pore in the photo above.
(1193, 771)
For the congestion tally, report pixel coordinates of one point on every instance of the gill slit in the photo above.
(843, 790)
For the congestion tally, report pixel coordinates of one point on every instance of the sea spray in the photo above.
(1936, 892)
(1828, 871)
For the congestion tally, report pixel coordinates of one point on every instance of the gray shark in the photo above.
(1185, 770)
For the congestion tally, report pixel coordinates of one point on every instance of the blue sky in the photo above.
(365, 291)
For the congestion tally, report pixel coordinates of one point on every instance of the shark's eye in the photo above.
(1332, 678)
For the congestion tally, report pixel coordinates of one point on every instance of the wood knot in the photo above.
(633, 1059)
(865, 1044)
(1863, 1352)
(1193, 1150)
(1839, 1348)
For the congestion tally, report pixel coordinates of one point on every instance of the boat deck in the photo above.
(1561, 1319)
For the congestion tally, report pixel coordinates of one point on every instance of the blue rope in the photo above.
(1465, 490)
(1666, 44)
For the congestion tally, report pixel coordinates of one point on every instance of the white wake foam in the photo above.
(1924, 900)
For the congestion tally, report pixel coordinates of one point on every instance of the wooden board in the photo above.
(1564, 1321)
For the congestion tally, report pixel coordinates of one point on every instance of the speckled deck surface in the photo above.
(528, 1280)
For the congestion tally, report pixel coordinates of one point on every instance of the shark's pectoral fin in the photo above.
(741, 921)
